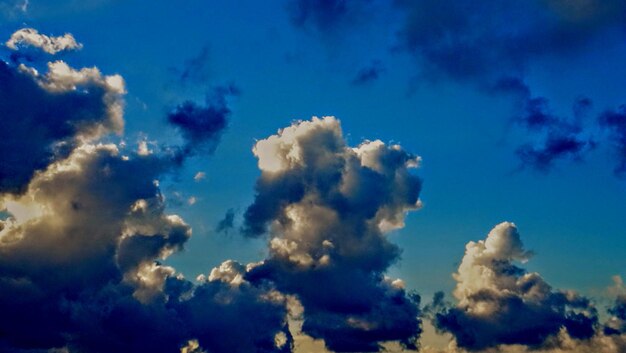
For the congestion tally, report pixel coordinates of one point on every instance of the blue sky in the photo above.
(570, 213)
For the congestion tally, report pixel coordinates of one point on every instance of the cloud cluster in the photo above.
(559, 138)
(502, 304)
(71, 106)
(84, 231)
(328, 207)
(30, 37)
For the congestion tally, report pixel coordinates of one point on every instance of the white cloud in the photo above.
(31, 37)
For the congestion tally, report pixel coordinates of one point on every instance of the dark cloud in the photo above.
(328, 207)
(469, 40)
(614, 121)
(558, 138)
(202, 126)
(502, 304)
(70, 105)
(227, 223)
(617, 323)
(368, 74)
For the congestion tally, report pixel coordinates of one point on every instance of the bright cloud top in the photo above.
(30, 37)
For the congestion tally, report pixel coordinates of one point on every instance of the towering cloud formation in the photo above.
(328, 207)
(84, 230)
(502, 304)
(51, 45)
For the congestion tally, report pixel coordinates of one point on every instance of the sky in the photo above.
(312, 176)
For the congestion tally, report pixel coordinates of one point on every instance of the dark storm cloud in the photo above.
(328, 207)
(502, 304)
(468, 40)
(368, 74)
(69, 105)
(614, 121)
(202, 126)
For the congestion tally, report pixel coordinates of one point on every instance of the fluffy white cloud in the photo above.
(49, 44)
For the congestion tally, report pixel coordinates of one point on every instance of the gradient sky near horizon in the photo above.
(372, 65)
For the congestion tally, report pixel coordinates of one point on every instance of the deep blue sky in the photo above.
(572, 216)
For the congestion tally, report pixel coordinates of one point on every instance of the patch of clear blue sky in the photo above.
(574, 218)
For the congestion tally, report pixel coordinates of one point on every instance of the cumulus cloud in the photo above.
(80, 267)
(71, 106)
(30, 37)
(202, 126)
(327, 207)
(84, 233)
(617, 323)
(500, 303)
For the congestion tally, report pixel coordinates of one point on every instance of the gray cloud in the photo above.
(328, 207)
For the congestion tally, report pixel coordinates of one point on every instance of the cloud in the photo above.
(30, 37)
(502, 304)
(80, 267)
(325, 16)
(202, 126)
(199, 177)
(617, 323)
(84, 232)
(71, 106)
(557, 138)
(614, 121)
(368, 74)
(227, 223)
(328, 207)
(469, 40)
